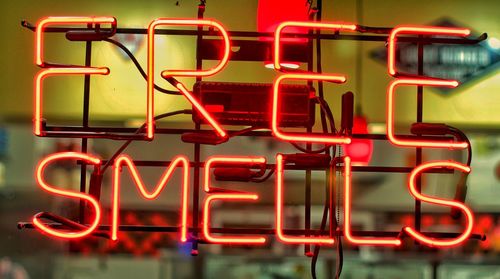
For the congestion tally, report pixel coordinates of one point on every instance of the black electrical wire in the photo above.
(138, 66)
(461, 135)
(264, 178)
(128, 142)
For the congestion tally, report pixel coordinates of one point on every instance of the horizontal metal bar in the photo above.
(144, 163)
(256, 231)
(248, 34)
(165, 131)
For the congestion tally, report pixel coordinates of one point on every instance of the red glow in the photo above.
(279, 213)
(211, 162)
(303, 24)
(424, 30)
(467, 212)
(59, 20)
(228, 240)
(242, 160)
(302, 137)
(360, 150)
(270, 13)
(390, 114)
(64, 193)
(220, 131)
(192, 73)
(40, 76)
(347, 215)
(178, 161)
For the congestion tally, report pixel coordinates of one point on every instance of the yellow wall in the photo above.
(122, 94)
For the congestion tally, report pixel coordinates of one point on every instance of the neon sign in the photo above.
(183, 164)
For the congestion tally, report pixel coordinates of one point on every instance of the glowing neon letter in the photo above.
(76, 195)
(347, 215)
(279, 212)
(302, 137)
(306, 24)
(41, 75)
(467, 212)
(390, 114)
(245, 161)
(40, 27)
(186, 73)
(179, 161)
(424, 30)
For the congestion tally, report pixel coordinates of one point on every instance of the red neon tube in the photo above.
(305, 24)
(417, 30)
(211, 162)
(64, 193)
(58, 20)
(390, 114)
(433, 242)
(302, 137)
(279, 213)
(179, 161)
(347, 215)
(218, 128)
(41, 75)
(227, 240)
(242, 160)
(191, 73)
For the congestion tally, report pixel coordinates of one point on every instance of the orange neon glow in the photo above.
(179, 161)
(229, 240)
(467, 212)
(347, 215)
(40, 76)
(302, 137)
(211, 162)
(76, 195)
(220, 131)
(306, 24)
(242, 160)
(279, 212)
(60, 20)
(191, 73)
(390, 114)
(417, 30)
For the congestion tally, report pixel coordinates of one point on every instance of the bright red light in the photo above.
(279, 212)
(360, 150)
(191, 73)
(390, 114)
(232, 160)
(59, 20)
(220, 131)
(302, 137)
(178, 161)
(64, 193)
(270, 13)
(467, 212)
(347, 215)
(241, 160)
(417, 30)
(303, 24)
(227, 240)
(38, 94)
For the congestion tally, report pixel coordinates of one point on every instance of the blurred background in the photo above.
(380, 201)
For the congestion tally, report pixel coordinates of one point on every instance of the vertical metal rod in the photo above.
(85, 122)
(418, 157)
(307, 194)
(197, 146)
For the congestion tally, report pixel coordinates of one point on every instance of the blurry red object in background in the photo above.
(270, 13)
(360, 150)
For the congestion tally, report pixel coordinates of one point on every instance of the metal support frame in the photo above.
(373, 34)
